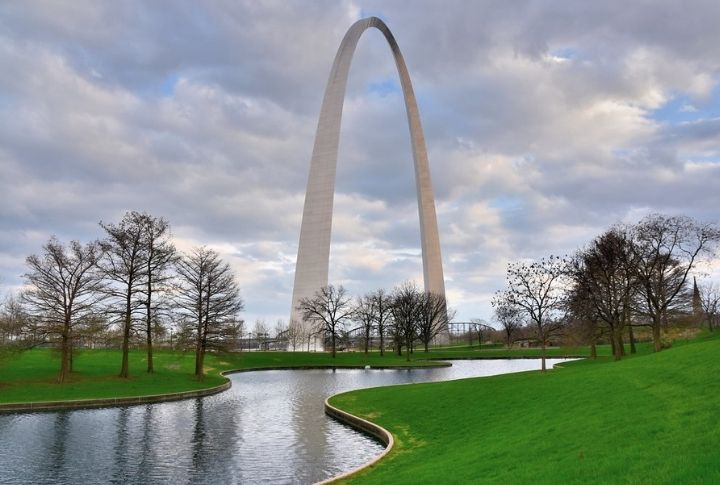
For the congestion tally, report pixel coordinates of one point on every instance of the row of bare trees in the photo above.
(130, 281)
(634, 275)
(404, 316)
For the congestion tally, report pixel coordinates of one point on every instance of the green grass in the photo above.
(30, 376)
(646, 419)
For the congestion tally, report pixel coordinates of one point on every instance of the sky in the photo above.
(545, 123)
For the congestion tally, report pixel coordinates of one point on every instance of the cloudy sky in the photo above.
(546, 121)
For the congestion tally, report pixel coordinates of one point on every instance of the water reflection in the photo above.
(270, 427)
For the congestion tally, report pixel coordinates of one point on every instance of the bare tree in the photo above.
(366, 315)
(124, 265)
(537, 290)
(262, 333)
(329, 310)
(64, 288)
(508, 316)
(209, 297)
(710, 303)
(15, 327)
(433, 317)
(604, 274)
(406, 310)
(160, 255)
(295, 334)
(666, 249)
(383, 315)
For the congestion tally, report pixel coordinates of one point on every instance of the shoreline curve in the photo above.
(94, 403)
(364, 426)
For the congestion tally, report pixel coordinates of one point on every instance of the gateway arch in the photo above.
(311, 271)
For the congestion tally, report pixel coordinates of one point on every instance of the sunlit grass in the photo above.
(647, 419)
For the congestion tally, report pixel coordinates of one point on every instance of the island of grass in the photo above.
(648, 419)
(30, 376)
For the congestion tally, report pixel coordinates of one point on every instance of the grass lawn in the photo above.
(30, 376)
(647, 419)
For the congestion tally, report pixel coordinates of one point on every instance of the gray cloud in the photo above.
(539, 120)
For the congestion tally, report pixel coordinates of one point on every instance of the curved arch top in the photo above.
(311, 271)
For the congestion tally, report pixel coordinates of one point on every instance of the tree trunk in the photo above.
(124, 368)
(543, 356)
(408, 344)
(621, 343)
(617, 337)
(593, 351)
(367, 342)
(64, 358)
(613, 345)
(631, 334)
(200, 364)
(657, 343)
(333, 344)
(382, 341)
(656, 327)
(199, 351)
(426, 345)
(148, 322)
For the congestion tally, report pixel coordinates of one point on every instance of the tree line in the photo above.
(404, 317)
(129, 282)
(632, 276)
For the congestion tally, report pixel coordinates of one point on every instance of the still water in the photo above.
(270, 427)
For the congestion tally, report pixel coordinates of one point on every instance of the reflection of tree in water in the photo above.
(147, 457)
(198, 438)
(56, 458)
(310, 429)
(214, 440)
(121, 465)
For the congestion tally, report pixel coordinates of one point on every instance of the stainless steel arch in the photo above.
(311, 271)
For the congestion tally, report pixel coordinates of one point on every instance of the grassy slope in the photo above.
(649, 419)
(30, 376)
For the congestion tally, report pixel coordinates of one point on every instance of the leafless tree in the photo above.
(383, 315)
(508, 316)
(124, 265)
(666, 249)
(433, 317)
(604, 273)
(710, 303)
(329, 310)
(295, 334)
(406, 310)
(14, 324)
(160, 255)
(365, 314)
(209, 297)
(537, 290)
(584, 322)
(64, 288)
(262, 333)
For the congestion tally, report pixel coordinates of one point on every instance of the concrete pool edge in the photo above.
(364, 426)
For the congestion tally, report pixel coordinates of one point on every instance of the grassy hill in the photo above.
(648, 419)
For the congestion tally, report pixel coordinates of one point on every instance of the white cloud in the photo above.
(538, 117)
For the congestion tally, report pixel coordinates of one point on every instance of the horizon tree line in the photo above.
(131, 280)
(407, 315)
(631, 276)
